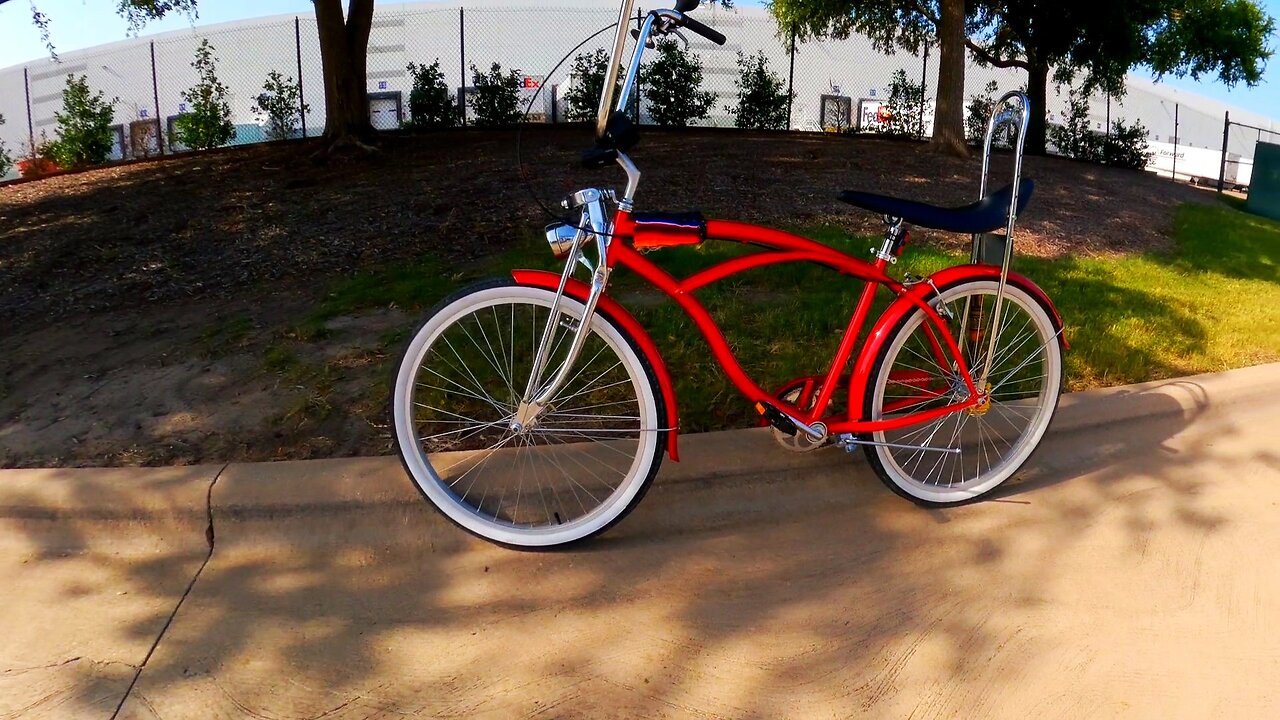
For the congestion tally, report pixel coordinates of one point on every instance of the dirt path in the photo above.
(146, 310)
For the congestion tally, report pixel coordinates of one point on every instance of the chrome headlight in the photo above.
(561, 238)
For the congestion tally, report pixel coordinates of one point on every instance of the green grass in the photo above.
(1212, 303)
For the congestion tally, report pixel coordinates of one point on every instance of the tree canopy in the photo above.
(1097, 40)
(1101, 41)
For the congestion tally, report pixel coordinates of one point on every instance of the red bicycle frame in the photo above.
(782, 247)
(785, 248)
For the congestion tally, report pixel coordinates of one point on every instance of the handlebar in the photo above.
(706, 32)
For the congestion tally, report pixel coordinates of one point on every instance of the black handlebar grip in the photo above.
(706, 32)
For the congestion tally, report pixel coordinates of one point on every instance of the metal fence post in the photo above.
(791, 80)
(1108, 128)
(462, 56)
(297, 44)
(924, 76)
(31, 128)
(155, 95)
(1175, 141)
(1226, 133)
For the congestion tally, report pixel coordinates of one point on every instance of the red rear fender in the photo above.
(922, 292)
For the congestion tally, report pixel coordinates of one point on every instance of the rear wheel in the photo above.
(964, 455)
(571, 473)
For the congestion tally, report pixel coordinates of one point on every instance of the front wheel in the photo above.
(570, 473)
(964, 455)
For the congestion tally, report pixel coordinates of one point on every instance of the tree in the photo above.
(344, 45)
(84, 126)
(277, 107)
(1103, 40)
(495, 97)
(583, 99)
(762, 99)
(893, 24)
(431, 105)
(207, 121)
(672, 86)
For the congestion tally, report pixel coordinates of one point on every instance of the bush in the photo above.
(6, 160)
(84, 126)
(431, 105)
(37, 163)
(495, 98)
(1126, 145)
(672, 86)
(207, 121)
(978, 112)
(905, 107)
(762, 97)
(583, 98)
(277, 107)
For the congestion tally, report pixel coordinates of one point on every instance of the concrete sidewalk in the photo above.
(1125, 574)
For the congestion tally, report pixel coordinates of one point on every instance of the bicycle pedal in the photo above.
(776, 418)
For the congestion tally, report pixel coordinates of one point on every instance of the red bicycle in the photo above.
(534, 410)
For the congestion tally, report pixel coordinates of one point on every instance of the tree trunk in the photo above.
(344, 46)
(948, 116)
(1037, 93)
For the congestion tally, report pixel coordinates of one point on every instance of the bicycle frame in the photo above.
(784, 248)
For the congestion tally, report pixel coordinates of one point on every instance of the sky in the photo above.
(78, 24)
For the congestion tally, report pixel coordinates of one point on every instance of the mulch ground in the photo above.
(137, 301)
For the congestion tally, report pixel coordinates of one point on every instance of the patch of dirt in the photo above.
(145, 309)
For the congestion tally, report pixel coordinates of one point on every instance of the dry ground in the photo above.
(141, 306)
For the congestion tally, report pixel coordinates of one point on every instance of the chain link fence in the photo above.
(836, 85)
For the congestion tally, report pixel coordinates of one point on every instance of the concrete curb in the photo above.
(370, 500)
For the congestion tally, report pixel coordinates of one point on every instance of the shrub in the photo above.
(431, 105)
(762, 97)
(277, 107)
(672, 86)
(1074, 138)
(6, 160)
(905, 107)
(583, 98)
(978, 111)
(207, 122)
(495, 98)
(84, 126)
(1126, 145)
(37, 163)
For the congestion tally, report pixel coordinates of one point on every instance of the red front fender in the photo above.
(922, 292)
(579, 291)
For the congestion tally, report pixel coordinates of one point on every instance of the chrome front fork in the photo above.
(595, 226)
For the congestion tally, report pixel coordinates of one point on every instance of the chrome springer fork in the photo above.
(594, 225)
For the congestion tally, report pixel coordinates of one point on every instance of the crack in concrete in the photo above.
(209, 537)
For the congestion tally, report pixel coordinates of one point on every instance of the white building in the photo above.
(148, 74)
